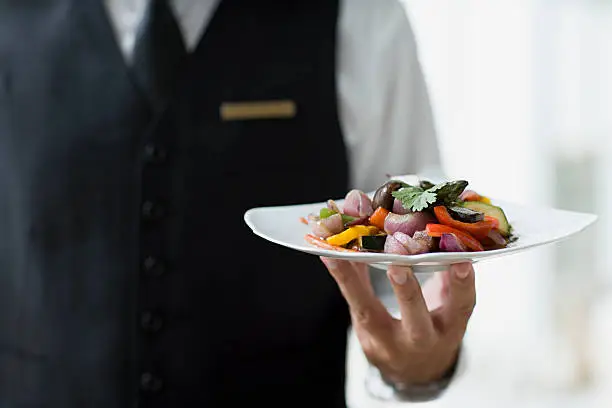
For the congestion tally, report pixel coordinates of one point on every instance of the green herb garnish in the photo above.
(416, 199)
(326, 213)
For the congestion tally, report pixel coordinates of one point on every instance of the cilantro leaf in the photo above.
(449, 191)
(415, 198)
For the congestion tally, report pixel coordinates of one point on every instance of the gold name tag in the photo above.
(257, 110)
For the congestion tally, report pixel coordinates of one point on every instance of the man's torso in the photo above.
(88, 317)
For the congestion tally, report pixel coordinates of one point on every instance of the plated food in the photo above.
(405, 219)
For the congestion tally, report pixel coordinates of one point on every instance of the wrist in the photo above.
(422, 370)
(412, 390)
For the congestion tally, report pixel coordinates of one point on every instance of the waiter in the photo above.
(134, 135)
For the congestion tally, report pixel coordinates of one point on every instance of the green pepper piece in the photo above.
(326, 213)
(347, 218)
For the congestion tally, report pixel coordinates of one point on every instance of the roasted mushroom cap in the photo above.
(383, 196)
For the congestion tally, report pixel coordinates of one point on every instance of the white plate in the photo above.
(533, 227)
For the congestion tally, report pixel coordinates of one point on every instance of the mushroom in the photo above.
(383, 196)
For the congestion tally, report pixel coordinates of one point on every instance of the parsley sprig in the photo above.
(418, 198)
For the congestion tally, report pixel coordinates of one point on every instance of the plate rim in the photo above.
(421, 259)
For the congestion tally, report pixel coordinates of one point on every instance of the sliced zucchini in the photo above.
(373, 242)
(491, 211)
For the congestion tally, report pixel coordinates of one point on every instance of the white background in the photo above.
(522, 93)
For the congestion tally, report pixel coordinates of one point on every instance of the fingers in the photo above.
(415, 316)
(435, 290)
(353, 281)
(461, 297)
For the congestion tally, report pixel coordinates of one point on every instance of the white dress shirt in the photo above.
(384, 107)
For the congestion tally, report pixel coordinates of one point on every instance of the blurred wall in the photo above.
(521, 92)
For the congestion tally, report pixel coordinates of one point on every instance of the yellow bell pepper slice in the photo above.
(485, 200)
(351, 233)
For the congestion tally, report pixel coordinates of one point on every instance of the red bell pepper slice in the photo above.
(437, 230)
(494, 221)
(479, 229)
(470, 195)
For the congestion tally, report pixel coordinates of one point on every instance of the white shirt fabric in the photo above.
(384, 107)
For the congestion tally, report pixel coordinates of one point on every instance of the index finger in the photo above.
(415, 315)
(366, 310)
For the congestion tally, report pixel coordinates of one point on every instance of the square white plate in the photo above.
(533, 226)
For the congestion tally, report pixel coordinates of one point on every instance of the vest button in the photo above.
(150, 322)
(150, 383)
(153, 267)
(154, 154)
(151, 210)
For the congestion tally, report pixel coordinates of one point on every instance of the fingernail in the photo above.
(398, 275)
(330, 263)
(462, 271)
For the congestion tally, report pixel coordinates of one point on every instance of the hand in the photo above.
(423, 345)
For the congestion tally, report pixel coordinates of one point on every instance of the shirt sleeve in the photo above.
(384, 106)
(378, 388)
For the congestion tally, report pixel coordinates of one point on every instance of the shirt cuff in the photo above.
(378, 388)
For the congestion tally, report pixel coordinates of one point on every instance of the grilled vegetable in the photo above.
(398, 208)
(409, 219)
(491, 211)
(393, 246)
(357, 204)
(478, 229)
(378, 218)
(452, 243)
(407, 223)
(465, 214)
(327, 213)
(384, 195)
(351, 234)
(471, 195)
(413, 245)
(373, 242)
(437, 230)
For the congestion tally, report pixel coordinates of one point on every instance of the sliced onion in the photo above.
(393, 246)
(497, 238)
(358, 204)
(358, 221)
(320, 231)
(331, 204)
(398, 208)
(404, 239)
(312, 218)
(450, 243)
(407, 223)
(317, 228)
(333, 223)
(424, 239)
(413, 246)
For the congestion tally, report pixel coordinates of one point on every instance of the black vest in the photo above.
(127, 275)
